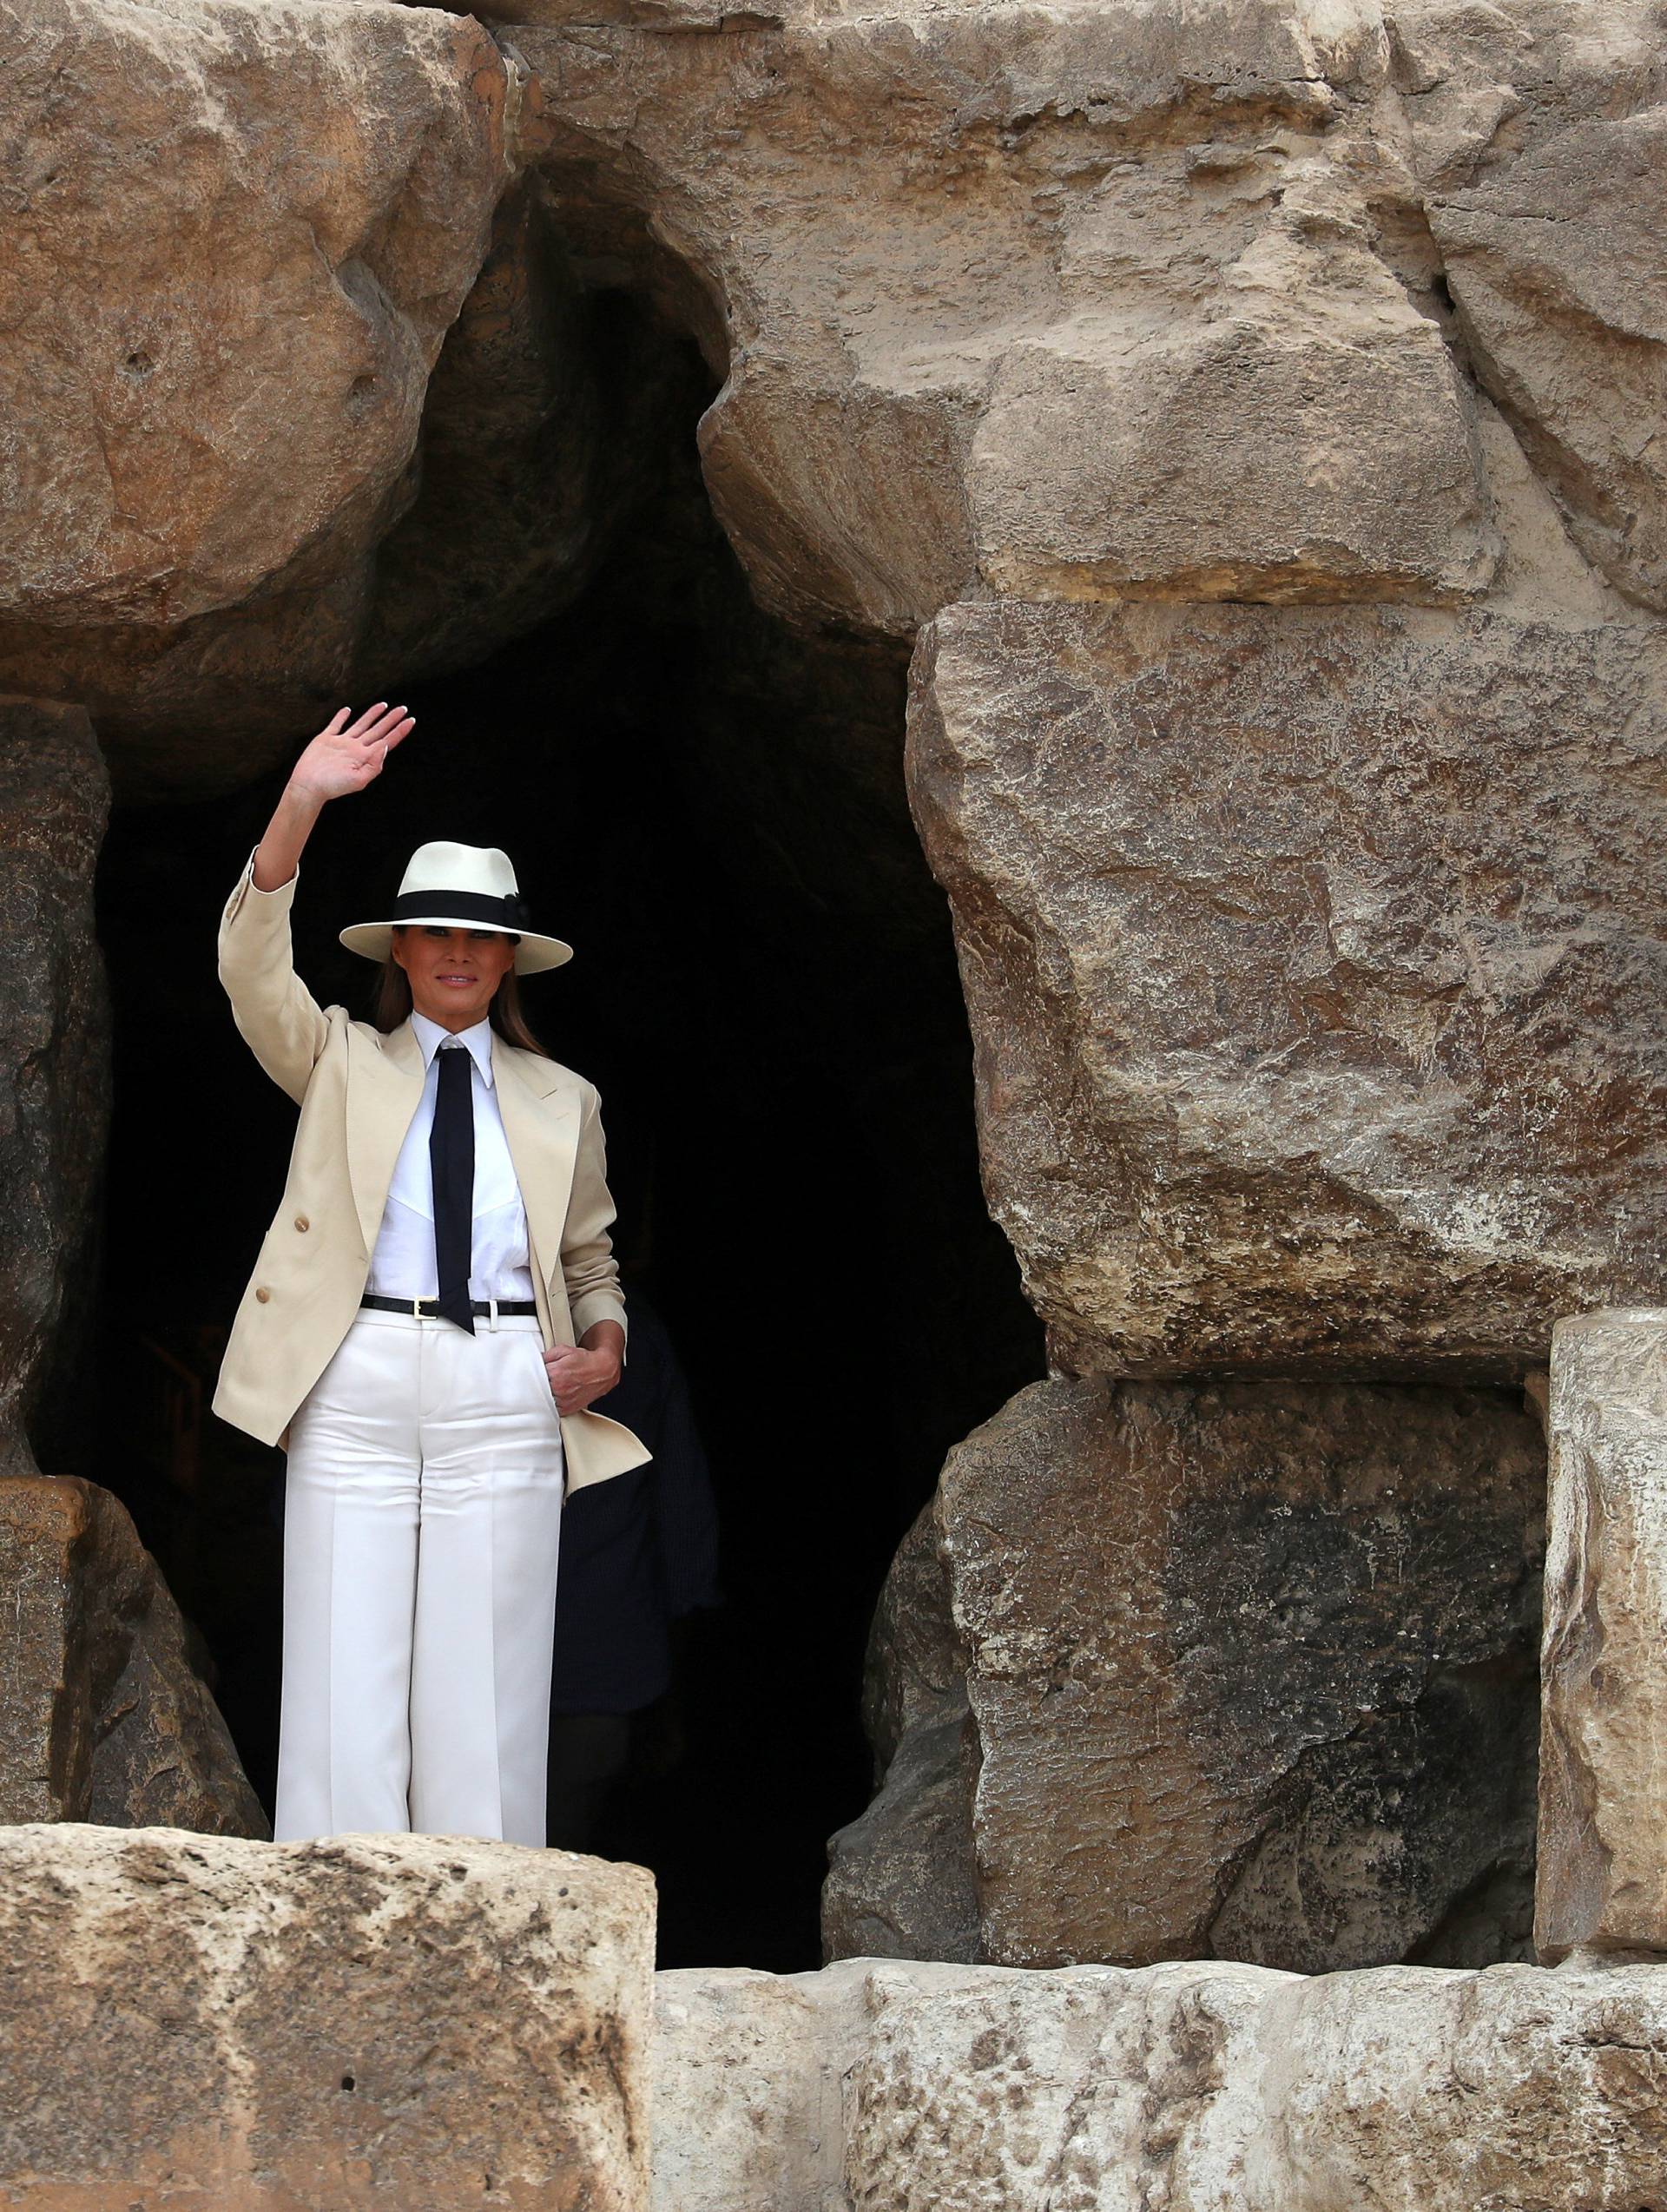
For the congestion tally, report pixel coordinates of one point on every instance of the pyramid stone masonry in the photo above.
(369, 2021)
(1246, 418)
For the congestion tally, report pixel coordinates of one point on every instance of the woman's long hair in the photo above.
(393, 1005)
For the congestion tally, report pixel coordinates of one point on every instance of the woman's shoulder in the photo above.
(546, 1073)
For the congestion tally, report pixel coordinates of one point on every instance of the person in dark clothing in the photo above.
(638, 1553)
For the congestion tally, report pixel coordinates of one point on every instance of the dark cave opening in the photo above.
(711, 809)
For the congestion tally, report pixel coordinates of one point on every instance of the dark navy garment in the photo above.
(639, 1551)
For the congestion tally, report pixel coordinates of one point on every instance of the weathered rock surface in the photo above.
(902, 1882)
(749, 2080)
(374, 2020)
(1171, 302)
(1201, 2088)
(237, 239)
(103, 1715)
(1535, 134)
(1602, 1883)
(53, 1041)
(1315, 966)
(1306, 437)
(1251, 1674)
(1120, 326)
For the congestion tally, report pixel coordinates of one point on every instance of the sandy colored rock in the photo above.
(1314, 965)
(749, 2080)
(374, 2020)
(1224, 2089)
(1602, 1882)
(103, 1714)
(1201, 2088)
(1536, 136)
(747, 2071)
(240, 235)
(1306, 437)
(1251, 1674)
(54, 1073)
(923, 224)
(1422, 2092)
(1083, 302)
(1089, 2087)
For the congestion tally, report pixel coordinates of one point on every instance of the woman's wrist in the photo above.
(279, 853)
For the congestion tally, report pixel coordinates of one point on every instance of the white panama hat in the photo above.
(460, 887)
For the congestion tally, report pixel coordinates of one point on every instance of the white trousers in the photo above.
(422, 1523)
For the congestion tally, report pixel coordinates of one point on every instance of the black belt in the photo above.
(429, 1308)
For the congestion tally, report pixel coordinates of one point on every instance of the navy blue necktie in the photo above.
(451, 1159)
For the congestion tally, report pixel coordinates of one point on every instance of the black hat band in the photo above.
(467, 906)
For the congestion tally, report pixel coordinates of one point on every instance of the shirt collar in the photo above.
(478, 1038)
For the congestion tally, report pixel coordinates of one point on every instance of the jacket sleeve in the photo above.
(276, 1015)
(589, 1268)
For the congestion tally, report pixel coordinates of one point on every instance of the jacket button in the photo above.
(263, 1294)
(301, 1221)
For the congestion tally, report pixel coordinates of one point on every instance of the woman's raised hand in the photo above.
(345, 755)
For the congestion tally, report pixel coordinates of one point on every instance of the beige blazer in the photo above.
(357, 1090)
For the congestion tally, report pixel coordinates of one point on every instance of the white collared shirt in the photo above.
(402, 1264)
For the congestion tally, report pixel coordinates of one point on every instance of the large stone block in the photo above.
(901, 199)
(246, 232)
(1251, 1675)
(103, 1715)
(1555, 249)
(1316, 964)
(1224, 2089)
(749, 2075)
(55, 1076)
(397, 2021)
(1200, 2088)
(1603, 1792)
(901, 1880)
(1305, 437)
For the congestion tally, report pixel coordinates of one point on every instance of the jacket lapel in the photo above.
(384, 1087)
(540, 1106)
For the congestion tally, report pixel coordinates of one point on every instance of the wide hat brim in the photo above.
(532, 955)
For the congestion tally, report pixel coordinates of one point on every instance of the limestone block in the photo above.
(1305, 437)
(1090, 2087)
(749, 2080)
(1556, 260)
(1314, 963)
(1602, 1880)
(901, 1881)
(896, 194)
(54, 1040)
(1225, 2090)
(1251, 1675)
(240, 236)
(747, 2071)
(102, 1716)
(1406, 2091)
(395, 2021)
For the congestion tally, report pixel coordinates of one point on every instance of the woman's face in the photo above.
(452, 973)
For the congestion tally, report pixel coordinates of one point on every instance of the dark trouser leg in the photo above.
(587, 1752)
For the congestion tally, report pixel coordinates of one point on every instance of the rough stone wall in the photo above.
(1252, 408)
(103, 1716)
(54, 1043)
(1601, 1885)
(1248, 1670)
(373, 2021)
(1200, 2088)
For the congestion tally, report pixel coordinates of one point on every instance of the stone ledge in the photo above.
(409, 2022)
(1200, 2087)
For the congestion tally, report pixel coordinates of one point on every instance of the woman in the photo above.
(434, 1308)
